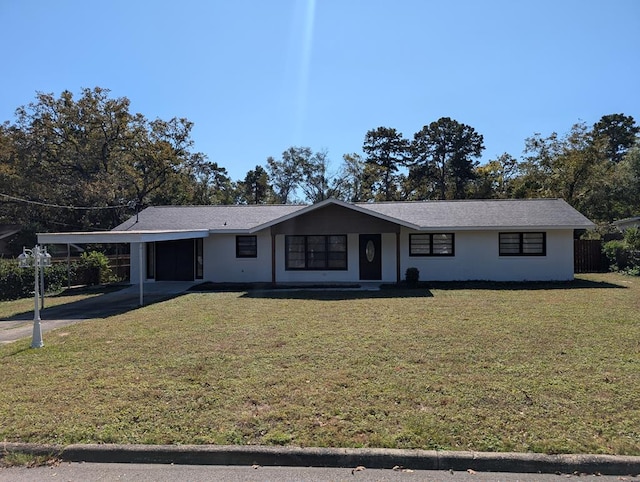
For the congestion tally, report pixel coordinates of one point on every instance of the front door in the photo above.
(174, 260)
(370, 257)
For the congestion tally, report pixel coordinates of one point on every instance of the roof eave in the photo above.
(232, 231)
(142, 236)
(619, 222)
(505, 228)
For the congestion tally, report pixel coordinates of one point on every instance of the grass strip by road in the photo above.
(551, 368)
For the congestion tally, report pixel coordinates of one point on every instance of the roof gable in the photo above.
(328, 202)
(334, 218)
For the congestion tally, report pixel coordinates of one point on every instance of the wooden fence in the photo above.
(120, 265)
(588, 256)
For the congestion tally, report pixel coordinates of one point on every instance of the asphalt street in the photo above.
(104, 472)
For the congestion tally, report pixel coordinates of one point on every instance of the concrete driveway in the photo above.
(100, 306)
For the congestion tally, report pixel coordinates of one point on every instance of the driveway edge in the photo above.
(335, 457)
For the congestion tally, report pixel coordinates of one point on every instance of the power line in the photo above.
(92, 208)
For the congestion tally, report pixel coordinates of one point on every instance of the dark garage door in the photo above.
(174, 260)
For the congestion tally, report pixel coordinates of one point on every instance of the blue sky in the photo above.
(257, 77)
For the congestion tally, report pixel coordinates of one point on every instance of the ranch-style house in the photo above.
(340, 242)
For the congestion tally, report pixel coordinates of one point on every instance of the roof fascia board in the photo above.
(503, 228)
(118, 236)
(232, 231)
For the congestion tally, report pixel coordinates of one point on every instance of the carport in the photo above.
(139, 237)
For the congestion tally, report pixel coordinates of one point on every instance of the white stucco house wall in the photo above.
(339, 242)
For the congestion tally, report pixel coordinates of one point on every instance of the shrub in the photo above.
(616, 253)
(624, 255)
(412, 276)
(15, 282)
(94, 268)
(56, 276)
(632, 238)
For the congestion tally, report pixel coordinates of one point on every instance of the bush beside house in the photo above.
(624, 254)
(412, 277)
(93, 268)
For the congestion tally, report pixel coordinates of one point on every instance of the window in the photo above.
(523, 244)
(246, 246)
(316, 252)
(432, 244)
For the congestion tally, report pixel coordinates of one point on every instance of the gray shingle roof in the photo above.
(468, 214)
(485, 214)
(224, 218)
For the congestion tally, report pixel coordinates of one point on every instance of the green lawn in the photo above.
(489, 367)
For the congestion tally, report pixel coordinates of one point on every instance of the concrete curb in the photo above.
(335, 457)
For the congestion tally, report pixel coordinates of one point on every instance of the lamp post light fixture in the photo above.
(37, 258)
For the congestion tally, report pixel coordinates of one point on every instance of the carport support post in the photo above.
(141, 272)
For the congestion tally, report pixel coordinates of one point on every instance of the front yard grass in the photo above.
(549, 368)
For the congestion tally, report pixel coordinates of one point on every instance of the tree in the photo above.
(286, 174)
(255, 187)
(92, 156)
(570, 167)
(10, 179)
(318, 183)
(442, 158)
(350, 183)
(213, 185)
(494, 179)
(72, 148)
(161, 169)
(386, 151)
(622, 188)
(618, 132)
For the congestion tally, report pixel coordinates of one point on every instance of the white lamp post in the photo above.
(37, 258)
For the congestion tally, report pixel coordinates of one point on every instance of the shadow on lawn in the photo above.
(111, 300)
(521, 285)
(337, 294)
(425, 289)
